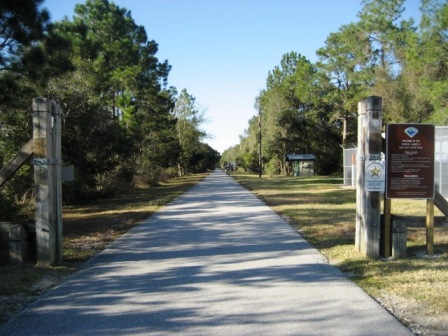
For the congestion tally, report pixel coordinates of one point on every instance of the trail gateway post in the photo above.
(48, 181)
(368, 205)
(48, 176)
(408, 172)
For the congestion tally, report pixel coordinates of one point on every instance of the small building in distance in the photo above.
(301, 164)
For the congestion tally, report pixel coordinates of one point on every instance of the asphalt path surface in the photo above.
(216, 261)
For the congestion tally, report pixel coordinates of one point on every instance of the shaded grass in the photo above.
(88, 229)
(325, 214)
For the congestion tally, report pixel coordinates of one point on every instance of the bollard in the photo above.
(18, 244)
(399, 238)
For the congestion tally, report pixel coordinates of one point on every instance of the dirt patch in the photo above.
(416, 315)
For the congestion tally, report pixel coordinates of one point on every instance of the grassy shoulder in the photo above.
(415, 288)
(88, 229)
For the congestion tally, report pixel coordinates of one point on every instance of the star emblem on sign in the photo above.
(375, 171)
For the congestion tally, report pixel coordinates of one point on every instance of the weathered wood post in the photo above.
(368, 212)
(18, 244)
(360, 178)
(47, 176)
(260, 155)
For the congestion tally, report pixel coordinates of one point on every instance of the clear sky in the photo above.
(222, 50)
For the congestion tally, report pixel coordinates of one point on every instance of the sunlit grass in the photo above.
(325, 214)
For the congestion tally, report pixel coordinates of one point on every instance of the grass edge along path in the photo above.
(414, 289)
(88, 229)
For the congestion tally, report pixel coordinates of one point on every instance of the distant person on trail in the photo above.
(228, 168)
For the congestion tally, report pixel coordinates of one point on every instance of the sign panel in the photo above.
(410, 161)
(375, 176)
(68, 173)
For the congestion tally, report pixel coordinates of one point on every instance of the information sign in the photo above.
(410, 161)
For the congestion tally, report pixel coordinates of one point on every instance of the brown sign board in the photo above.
(410, 161)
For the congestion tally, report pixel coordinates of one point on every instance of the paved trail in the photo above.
(216, 261)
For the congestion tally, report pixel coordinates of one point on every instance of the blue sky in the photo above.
(222, 50)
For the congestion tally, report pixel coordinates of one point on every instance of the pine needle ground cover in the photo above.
(415, 288)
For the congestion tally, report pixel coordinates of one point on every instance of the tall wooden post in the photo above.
(47, 176)
(368, 211)
(360, 179)
(260, 155)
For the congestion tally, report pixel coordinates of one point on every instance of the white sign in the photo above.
(375, 176)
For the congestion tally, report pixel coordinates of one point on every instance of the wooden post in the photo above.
(18, 244)
(260, 155)
(399, 237)
(360, 179)
(430, 227)
(441, 203)
(47, 176)
(387, 227)
(16, 162)
(368, 202)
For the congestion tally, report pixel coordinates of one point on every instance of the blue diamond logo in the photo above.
(411, 131)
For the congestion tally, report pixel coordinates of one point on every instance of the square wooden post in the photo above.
(18, 244)
(360, 244)
(368, 209)
(47, 176)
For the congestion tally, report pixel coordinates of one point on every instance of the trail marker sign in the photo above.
(375, 176)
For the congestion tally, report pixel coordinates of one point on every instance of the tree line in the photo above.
(311, 108)
(122, 124)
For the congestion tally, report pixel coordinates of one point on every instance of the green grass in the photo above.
(88, 229)
(324, 213)
(317, 207)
